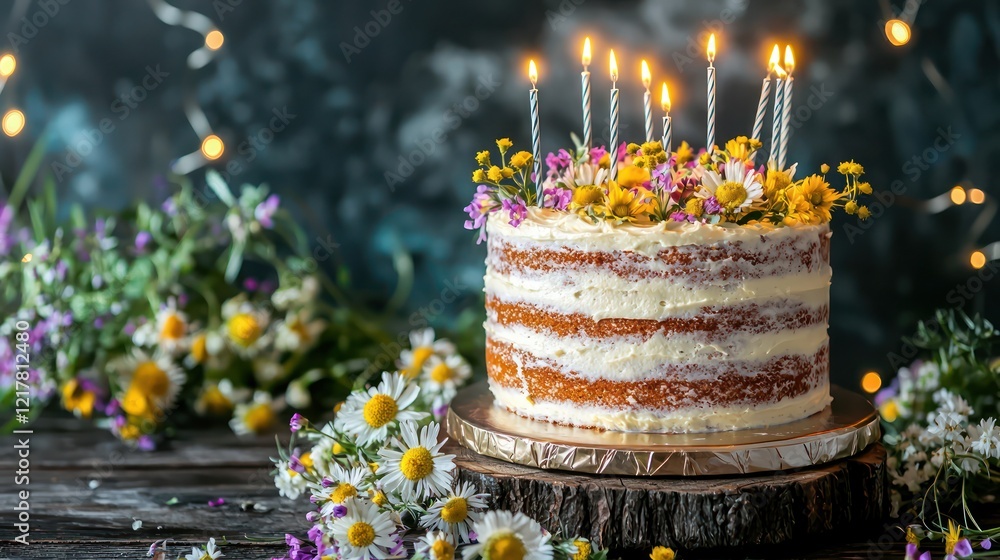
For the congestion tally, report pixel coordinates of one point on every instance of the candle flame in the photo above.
(897, 31)
(711, 48)
(775, 59)
(780, 72)
(665, 98)
(586, 52)
(789, 59)
(532, 72)
(614, 67)
(646, 77)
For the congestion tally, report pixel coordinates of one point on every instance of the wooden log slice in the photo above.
(634, 513)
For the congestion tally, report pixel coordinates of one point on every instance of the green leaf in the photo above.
(220, 188)
(28, 172)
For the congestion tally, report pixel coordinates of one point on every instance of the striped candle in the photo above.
(758, 121)
(667, 126)
(786, 112)
(588, 135)
(779, 92)
(710, 139)
(647, 102)
(536, 141)
(613, 148)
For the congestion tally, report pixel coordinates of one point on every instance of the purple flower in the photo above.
(141, 240)
(682, 217)
(557, 162)
(712, 205)
(265, 210)
(217, 502)
(6, 239)
(316, 535)
(516, 210)
(597, 153)
(479, 209)
(473, 536)
(296, 464)
(557, 198)
(250, 284)
(398, 549)
(145, 443)
(962, 549)
(328, 482)
(440, 411)
(297, 422)
(339, 511)
(986, 544)
(169, 207)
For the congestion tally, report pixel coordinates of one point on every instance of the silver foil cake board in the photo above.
(843, 429)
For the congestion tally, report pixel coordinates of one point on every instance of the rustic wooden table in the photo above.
(86, 490)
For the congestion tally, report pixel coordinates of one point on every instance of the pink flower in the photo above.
(266, 209)
(597, 153)
(557, 198)
(516, 210)
(479, 209)
(557, 162)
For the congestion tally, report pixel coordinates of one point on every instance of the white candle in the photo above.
(765, 93)
(786, 109)
(613, 148)
(779, 92)
(588, 136)
(710, 140)
(667, 128)
(647, 102)
(536, 143)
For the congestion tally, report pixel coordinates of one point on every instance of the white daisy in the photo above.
(209, 552)
(736, 189)
(422, 346)
(443, 375)
(256, 416)
(207, 349)
(511, 536)
(341, 485)
(325, 449)
(456, 512)
(298, 331)
(415, 466)
(217, 399)
(168, 332)
(245, 326)
(583, 174)
(368, 414)
(364, 533)
(985, 438)
(289, 483)
(151, 383)
(289, 296)
(437, 545)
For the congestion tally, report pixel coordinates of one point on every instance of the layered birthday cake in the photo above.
(656, 290)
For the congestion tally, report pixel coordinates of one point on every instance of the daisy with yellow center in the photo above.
(219, 399)
(586, 197)
(442, 376)
(342, 485)
(245, 326)
(509, 536)
(422, 346)
(167, 332)
(209, 552)
(151, 384)
(583, 549)
(736, 189)
(810, 202)
(257, 416)
(299, 331)
(78, 399)
(456, 512)
(437, 545)
(776, 181)
(288, 482)
(368, 414)
(414, 465)
(364, 532)
(626, 205)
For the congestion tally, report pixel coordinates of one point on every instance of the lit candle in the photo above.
(536, 143)
(667, 129)
(613, 148)
(765, 93)
(710, 140)
(647, 102)
(786, 108)
(779, 92)
(588, 136)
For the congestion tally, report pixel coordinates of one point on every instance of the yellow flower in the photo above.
(129, 432)
(695, 206)
(605, 161)
(78, 400)
(810, 201)
(739, 148)
(952, 537)
(856, 168)
(586, 195)
(583, 550)
(625, 205)
(632, 148)
(704, 159)
(850, 168)
(639, 161)
(504, 144)
(633, 176)
(244, 329)
(889, 410)
(651, 148)
(824, 169)
(685, 153)
(911, 536)
(851, 207)
(478, 176)
(775, 183)
(864, 213)
(483, 157)
(507, 172)
(662, 553)
(199, 348)
(520, 159)
(494, 174)
(866, 188)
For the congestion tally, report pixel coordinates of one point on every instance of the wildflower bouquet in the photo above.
(653, 186)
(939, 415)
(187, 307)
(381, 485)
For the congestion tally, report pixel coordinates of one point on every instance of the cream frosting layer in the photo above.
(634, 358)
(694, 419)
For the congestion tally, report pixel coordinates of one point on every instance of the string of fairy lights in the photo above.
(13, 120)
(212, 147)
(899, 31)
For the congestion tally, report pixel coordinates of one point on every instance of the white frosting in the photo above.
(695, 419)
(633, 359)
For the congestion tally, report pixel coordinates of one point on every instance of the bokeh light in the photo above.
(13, 122)
(212, 147)
(898, 32)
(871, 382)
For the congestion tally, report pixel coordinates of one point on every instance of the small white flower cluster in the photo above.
(378, 472)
